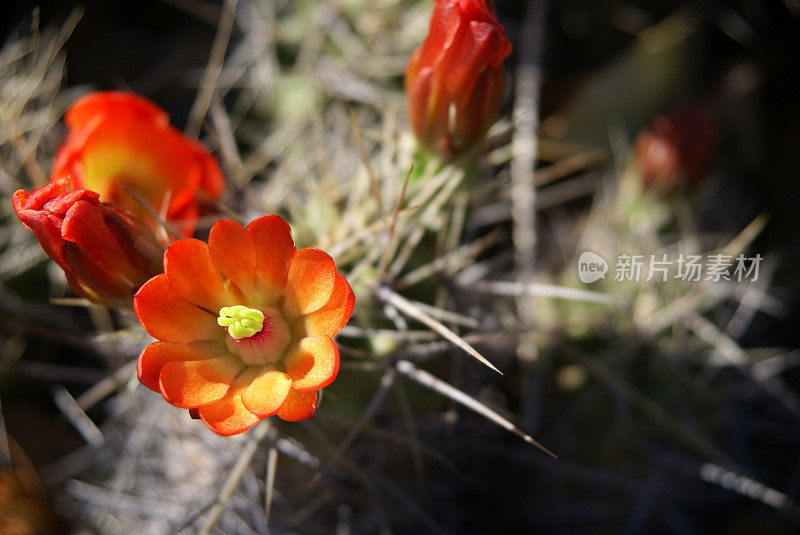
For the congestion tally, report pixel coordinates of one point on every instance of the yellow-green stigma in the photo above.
(241, 322)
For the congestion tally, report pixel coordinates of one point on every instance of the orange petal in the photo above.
(156, 355)
(121, 152)
(189, 270)
(299, 406)
(192, 383)
(267, 392)
(312, 276)
(330, 319)
(111, 103)
(313, 363)
(274, 250)
(234, 254)
(169, 317)
(228, 416)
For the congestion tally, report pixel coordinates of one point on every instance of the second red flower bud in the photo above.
(105, 251)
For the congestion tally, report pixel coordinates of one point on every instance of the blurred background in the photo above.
(672, 408)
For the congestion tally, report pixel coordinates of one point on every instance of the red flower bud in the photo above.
(454, 81)
(674, 152)
(106, 252)
(123, 147)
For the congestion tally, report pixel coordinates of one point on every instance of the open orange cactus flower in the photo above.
(123, 147)
(244, 325)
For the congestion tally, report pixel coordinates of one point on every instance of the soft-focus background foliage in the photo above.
(676, 412)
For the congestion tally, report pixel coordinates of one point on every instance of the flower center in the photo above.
(257, 336)
(241, 322)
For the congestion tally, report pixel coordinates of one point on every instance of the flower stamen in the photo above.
(241, 322)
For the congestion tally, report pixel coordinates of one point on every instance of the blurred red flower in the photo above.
(244, 325)
(675, 151)
(105, 251)
(122, 146)
(454, 81)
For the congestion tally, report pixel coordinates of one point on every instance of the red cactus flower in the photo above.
(454, 81)
(105, 251)
(675, 151)
(120, 143)
(244, 325)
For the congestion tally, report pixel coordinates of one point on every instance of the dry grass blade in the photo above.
(446, 315)
(567, 166)
(72, 302)
(234, 478)
(517, 289)
(389, 436)
(352, 331)
(362, 151)
(369, 411)
(426, 379)
(212, 70)
(736, 356)
(222, 133)
(746, 486)
(702, 296)
(427, 218)
(161, 219)
(118, 502)
(5, 452)
(657, 414)
(411, 310)
(272, 465)
(390, 238)
(525, 148)
(743, 240)
(460, 256)
(77, 417)
(28, 156)
(363, 233)
(106, 386)
(524, 144)
(411, 430)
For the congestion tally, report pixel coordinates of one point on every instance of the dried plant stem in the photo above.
(524, 153)
(234, 478)
(519, 289)
(426, 379)
(458, 256)
(272, 465)
(106, 386)
(657, 414)
(77, 417)
(374, 186)
(390, 238)
(524, 142)
(736, 356)
(212, 70)
(717, 475)
(411, 310)
(377, 400)
(5, 451)
(29, 161)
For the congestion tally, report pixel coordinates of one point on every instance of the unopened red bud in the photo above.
(674, 153)
(454, 81)
(105, 251)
